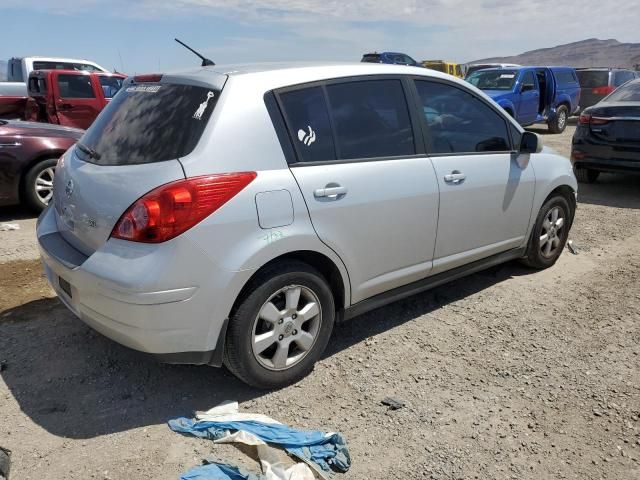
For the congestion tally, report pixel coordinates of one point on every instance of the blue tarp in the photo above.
(328, 451)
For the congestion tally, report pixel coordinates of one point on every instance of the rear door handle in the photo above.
(330, 192)
(455, 177)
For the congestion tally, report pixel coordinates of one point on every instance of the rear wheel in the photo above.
(281, 327)
(559, 122)
(584, 175)
(38, 184)
(550, 233)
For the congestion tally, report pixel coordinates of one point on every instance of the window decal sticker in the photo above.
(203, 106)
(307, 138)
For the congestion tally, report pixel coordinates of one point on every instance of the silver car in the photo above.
(231, 215)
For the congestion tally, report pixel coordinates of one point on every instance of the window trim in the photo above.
(418, 135)
(428, 137)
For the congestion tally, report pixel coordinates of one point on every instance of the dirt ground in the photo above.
(507, 374)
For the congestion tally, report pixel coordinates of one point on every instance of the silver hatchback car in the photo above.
(231, 215)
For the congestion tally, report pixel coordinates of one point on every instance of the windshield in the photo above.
(149, 122)
(50, 65)
(493, 79)
(627, 93)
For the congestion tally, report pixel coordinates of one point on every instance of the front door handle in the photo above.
(455, 177)
(330, 192)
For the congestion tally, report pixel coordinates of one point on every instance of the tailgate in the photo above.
(89, 199)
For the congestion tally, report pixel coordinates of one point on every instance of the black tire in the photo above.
(584, 175)
(559, 122)
(30, 195)
(534, 257)
(239, 357)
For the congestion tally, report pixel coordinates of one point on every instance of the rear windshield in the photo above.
(371, 58)
(149, 122)
(593, 78)
(627, 93)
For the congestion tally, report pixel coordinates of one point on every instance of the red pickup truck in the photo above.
(64, 97)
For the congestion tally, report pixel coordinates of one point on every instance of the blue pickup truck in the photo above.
(532, 94)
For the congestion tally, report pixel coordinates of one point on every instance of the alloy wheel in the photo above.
(286, 327)
(44, 185)
(550, 234)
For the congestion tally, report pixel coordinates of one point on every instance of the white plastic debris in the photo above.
(9, 226)
(572, 248)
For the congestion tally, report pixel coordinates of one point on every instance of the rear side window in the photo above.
(459, 122)
(593, 78)
(622, 77)
(371, 58)
(371, 119)
(75, 86)
(150, 122)
(309, 126)
(628, 93)
(565, 77)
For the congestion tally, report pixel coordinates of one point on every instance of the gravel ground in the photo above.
(507, 374)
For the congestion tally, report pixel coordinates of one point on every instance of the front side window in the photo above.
(459, 122)
(371, 119)
(110, 85)
(308, 121)
(529, 81)
(493, 79)
(75, 86)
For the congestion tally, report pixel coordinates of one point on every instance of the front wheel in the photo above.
(281, 326)
(550, 233)
(559, 122)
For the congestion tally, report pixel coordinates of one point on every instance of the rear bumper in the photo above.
(160, 299)
(604, 157)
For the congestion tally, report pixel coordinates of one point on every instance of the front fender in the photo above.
(508, 105)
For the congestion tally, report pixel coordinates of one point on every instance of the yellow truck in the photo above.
(451, 68)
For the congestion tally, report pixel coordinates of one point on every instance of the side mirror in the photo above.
(530, 143)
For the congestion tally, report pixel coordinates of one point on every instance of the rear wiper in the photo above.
(88, 150)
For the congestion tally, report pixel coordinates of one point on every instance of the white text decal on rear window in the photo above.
(144, 88)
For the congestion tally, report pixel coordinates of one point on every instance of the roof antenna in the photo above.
(205, 61)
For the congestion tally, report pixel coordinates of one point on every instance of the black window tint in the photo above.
(308, 122)
(593, 78)
(459, 122)
(529, 79)
(150, 122)
(371, 119)
(75, 86)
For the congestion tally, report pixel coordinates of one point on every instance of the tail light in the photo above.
(175, 207)
(590, 119)
(577, 155)
(150, 77)
(603, 90)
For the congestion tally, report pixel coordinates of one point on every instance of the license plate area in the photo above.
(65, 286)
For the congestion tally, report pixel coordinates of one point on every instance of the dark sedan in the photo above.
(607, 138)
(29, 152)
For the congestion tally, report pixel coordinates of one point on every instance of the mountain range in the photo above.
(585, 53)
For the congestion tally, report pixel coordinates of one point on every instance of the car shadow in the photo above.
(619, 190)
(75, 383)
(543, 129)
(13, 213)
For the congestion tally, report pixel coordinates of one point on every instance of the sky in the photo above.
(136, 36)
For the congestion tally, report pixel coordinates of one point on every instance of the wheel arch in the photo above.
(41, 157)
(569, 194)
(321, 262)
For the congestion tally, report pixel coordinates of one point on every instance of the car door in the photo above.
(77, 104)
(370, 190)
(486, 197)
(529, 98)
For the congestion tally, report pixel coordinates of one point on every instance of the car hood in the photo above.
(37, 129)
